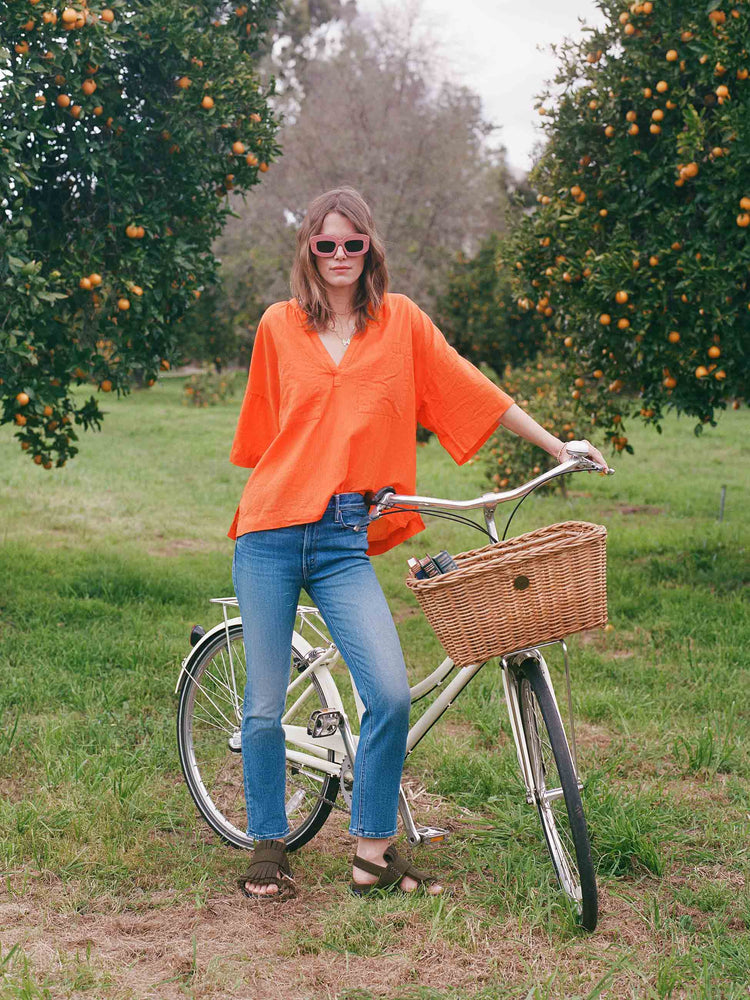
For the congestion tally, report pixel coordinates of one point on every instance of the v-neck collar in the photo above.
(329, 357)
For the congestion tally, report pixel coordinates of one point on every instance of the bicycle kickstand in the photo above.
(417, 834)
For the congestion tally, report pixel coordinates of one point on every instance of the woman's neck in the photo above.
(341, 301)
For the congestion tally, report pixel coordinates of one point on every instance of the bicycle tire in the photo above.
(565, 831)
(208, 714)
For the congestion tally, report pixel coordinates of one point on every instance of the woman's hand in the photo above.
(593, 453)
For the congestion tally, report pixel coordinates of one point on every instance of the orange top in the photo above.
(309, 428)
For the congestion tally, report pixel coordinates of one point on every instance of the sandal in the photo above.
(390, 874)
(269, 866)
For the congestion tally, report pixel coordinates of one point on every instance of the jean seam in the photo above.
(369, 736)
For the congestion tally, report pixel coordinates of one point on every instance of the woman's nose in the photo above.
(340, 255)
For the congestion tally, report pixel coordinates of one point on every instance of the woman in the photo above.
(338, 379)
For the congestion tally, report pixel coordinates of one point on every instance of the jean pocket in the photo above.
(351, 515)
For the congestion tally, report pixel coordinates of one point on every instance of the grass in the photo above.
(112, 888)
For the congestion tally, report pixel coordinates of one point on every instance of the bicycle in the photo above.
(321, 742)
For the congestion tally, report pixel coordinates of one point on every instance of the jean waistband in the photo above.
(346, 500)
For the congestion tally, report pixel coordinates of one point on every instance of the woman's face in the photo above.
(339, 271)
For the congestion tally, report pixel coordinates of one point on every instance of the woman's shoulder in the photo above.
(279, 311)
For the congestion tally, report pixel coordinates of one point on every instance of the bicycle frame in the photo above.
(313, 752)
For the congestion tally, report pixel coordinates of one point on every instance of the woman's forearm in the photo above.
(519, 422)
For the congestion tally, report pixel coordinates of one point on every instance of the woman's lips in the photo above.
(343, 268)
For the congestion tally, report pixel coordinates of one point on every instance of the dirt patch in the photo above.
(178, 546)
(235, 948)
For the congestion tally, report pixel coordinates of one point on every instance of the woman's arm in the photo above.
(519, 422)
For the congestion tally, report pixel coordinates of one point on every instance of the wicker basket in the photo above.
(515, 594)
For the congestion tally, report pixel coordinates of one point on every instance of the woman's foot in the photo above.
(269, 873)
(374, 851)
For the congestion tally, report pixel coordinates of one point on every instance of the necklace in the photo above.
(332, 328)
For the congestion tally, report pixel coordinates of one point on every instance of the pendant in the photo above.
(346, 342)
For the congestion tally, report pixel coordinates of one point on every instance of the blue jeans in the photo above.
(329, 559)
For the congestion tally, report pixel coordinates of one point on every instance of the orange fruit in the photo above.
(95, 279)
(597, 373)
(605, 319)
(207, 102)
(20, 419)
(657, 114)
(131, 231)
(623, 323)
(722, 90)
(674, 337)
(689, 170)
(670, 382)
(263, 167)
(609, 131)
(88, 86)
(75, 110)
(714, 351)
(621, 297)
(568, 342)
(136, 290)
(123, 304)
(184, 82)
(701, 371)
(85, 284)
(717, 16)
(603, 212)
(22, 398)
(631, 116)
(671, 55)
(106, 385)
(164, 365)
(633, 130)
(745, 203)
(743, 220)
(107, 15)
(62, 100)
(662, 86)
(69, 16)
(238, 147)
(140, 232)
(654, 129)
(98, 110)
(629, 29)
(720, 374)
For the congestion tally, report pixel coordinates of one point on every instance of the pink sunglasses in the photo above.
(354, 245)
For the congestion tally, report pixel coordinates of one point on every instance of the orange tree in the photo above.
(122, 127)
(479, 314)
(641, 239)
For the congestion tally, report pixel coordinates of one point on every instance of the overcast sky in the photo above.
(494, 50)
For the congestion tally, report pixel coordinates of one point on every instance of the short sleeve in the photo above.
(454, 399)
(258, 422)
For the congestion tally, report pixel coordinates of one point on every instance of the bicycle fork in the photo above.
(514, 714)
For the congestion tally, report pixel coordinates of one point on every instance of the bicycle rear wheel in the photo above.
(209, 718)
(554, 779)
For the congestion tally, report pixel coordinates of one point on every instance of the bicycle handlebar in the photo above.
(490, 500)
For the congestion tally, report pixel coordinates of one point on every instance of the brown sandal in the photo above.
(390, 874)
(269, 866)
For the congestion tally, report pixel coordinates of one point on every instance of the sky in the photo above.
(494, 49)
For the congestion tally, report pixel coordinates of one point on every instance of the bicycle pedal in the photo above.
(323, 723)
(431, 834)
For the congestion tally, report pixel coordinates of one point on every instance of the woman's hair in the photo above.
(306, 283)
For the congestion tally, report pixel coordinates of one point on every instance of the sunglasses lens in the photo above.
(324, 246)
(354, 246)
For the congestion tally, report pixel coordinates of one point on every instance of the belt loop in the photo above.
(336, 514)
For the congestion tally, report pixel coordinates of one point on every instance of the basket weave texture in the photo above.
(537, 587)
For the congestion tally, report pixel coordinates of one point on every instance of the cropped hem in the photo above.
(373, 836)
(268, 836)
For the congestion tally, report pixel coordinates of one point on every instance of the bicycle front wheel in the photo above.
(209, 719)
(556, 792)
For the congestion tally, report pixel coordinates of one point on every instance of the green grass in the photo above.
(106, 565)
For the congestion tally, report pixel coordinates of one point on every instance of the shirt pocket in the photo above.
(300, 396)
(383, 387)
